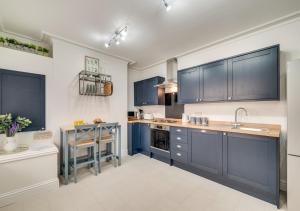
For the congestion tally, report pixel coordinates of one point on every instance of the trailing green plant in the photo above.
(45, 50)
(10, 126)
(32, 46)
(39, 48)
(17, 43)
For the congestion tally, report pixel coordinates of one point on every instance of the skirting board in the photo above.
(11, 197)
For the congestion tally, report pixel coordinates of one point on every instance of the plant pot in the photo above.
(10, 144)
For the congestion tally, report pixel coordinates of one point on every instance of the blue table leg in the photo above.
(66, 158)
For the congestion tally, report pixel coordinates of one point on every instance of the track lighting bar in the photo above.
(117, 37)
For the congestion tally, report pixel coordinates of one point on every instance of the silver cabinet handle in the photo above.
(203, 131)
(178, 146)
(197, 100)
(178, 130)
(224, 134)
(200, 99)
(229, 98)
(178, 154)
(178, 138)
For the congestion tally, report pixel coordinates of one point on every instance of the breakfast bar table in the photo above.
(64, 138)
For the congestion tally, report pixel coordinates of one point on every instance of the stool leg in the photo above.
(75, 164)
(115, 151)
(95, 159)
(99, 158)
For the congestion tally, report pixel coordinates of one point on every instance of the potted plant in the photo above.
(2, 41)
(10, 126)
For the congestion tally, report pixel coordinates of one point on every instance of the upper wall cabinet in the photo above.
(146, 92)
(251, 76)
(255, 76)
(23, 94)
(214, 85)
(189, 83)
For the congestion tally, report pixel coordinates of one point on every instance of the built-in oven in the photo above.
(160, 139)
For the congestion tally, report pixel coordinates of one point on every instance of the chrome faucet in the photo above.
(236, 124)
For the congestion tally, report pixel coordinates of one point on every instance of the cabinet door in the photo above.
(138, 93)
(189, 85)
(23, 94)
(214, 83)
(254, 76)
(252, 161)
(136, 145)
(205, 150)
(145, 138)
(150, 92)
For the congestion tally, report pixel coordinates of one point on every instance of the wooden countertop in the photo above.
(268, 130)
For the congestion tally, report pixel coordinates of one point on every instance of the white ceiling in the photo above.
(154, 34)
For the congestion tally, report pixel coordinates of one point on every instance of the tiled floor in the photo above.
(142, 184)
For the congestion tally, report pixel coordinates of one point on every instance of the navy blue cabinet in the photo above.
(205, 150)
(138, 138)
(145, 138)
(23, 94)
(189, 85)
(252, 163)
(146, 92)
(255, 76)
(251, 76)
(139, 93)
(214, 85)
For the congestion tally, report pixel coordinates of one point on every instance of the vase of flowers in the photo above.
(10, 126)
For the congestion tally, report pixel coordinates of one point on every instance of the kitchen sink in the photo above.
(253, 129)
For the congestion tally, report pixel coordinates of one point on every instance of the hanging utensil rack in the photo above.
(95, 84)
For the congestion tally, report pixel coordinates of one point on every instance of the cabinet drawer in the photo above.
(179, 131)
(179, 156)
(179, 146)
(177, 138)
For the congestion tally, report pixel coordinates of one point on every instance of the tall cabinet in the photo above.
(293, 135)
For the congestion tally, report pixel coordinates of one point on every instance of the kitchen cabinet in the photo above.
(252, 163)
(189, 84)
(251, 76)
(205, 150)
(214, 81)
(23, 94)
(145, 138)
(254, 76)
(138, 93)
(145, 92)
(138, 138)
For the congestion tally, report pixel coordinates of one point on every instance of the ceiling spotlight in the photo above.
(119, 34)
(167, 5)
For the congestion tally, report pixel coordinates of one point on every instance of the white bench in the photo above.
(27, 173)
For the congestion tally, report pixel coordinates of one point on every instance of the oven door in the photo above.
(160, 139)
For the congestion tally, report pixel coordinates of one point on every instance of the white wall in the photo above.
(63, 102)
(137, 75)
(287, 35)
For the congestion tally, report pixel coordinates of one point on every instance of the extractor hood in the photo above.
(170, 84)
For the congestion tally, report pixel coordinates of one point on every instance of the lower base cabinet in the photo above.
(138, 138)
(247, 163)
(205, 150)
(252, 163)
